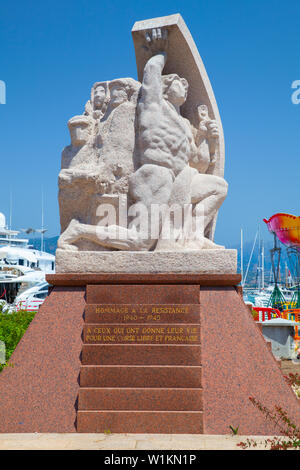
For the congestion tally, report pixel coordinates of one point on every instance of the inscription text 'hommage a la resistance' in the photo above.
(142, 313)
(142, 309)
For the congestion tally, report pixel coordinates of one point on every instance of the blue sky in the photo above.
(51, 52)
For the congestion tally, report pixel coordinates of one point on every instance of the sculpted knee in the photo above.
(151, 184)
(221, 187)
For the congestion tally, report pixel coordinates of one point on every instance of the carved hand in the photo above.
(213, 129)
(156, 41)
(206, 125)
(77, 174)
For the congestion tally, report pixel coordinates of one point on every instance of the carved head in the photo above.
(202, 112)
(122, 90)
(175, 89)
(99, 95)
(80, 130)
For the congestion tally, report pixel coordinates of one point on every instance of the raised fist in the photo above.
(156, 41)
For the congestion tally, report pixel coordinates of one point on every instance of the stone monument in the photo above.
(145, 329)
(145, 166)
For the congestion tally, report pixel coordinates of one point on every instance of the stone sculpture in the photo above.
(133, 141)
(97, 164)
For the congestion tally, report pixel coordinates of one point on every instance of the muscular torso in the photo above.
(165, 137)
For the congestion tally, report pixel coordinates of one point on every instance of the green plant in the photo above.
(254, 313)
(8, 364)
(12, 328)
(290, 432)
(234, 431)
(294, 381)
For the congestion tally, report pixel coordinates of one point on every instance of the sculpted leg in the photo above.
(207, 193)
(210, 191)
(112, 236)
(148, 185)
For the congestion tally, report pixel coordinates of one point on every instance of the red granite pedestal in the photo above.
(162, 353)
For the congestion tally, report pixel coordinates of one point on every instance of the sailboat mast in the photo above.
(242, 257)
(258, 269)
(249, 261)
(42, 231)
(10, 215)
(262, 265)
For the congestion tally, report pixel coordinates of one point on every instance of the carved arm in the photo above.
(151, 90)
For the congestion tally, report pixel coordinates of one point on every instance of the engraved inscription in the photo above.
(143, 313)
(143, 334)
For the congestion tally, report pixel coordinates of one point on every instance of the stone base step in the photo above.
(145, 399)
(141, 376)
(136, 422)
(140, 354)
(142, 293)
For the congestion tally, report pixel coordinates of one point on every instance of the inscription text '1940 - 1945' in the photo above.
(142, 313)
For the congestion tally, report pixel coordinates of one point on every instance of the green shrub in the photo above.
(12, 328)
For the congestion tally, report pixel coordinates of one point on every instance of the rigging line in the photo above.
(250, 259)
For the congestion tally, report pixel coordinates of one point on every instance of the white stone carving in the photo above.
(157, 145)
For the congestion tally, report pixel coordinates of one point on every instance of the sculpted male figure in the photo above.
(97, 105)
(78, 177)
(107, 154)
(165, 145)
(76, 161)
(206, 188)
(75, 155)
(115, 139)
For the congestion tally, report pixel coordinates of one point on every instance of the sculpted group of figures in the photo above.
(132, 147)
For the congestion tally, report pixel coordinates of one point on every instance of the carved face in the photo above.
(118, 95)
(202, 112)
(99, 97)
(79, 134)
(176, 92)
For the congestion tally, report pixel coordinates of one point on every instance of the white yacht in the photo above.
(21, 266)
